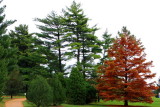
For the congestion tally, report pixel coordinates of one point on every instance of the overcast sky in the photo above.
(141, 17)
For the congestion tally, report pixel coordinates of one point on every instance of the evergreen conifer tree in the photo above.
(58, 92)
(52, 35)
(3, 70)
(6, 52)
(39, 92)
(13, 84)
(30, 58)
(106, 43)
(76, 88)
(82, 42)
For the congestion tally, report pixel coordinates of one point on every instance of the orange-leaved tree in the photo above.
(124, 76)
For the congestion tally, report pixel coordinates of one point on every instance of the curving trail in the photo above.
(15, 102)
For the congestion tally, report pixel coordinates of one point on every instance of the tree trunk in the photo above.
(26, 88)
(59, 53)
(78, 55)
(11, 95)
(126, 81)
(125, 102)
(60, 62)
(84, 61)
(78, 50)
(98, 97)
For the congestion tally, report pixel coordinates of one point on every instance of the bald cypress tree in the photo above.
(125, 74)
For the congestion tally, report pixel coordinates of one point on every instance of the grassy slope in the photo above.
(156, 103)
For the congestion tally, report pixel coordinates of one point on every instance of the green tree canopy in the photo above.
(30, 58)
(39, 92)
(52, 35)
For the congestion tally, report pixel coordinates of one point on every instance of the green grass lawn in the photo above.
(28, 104)
(156, 103)
(90, 105)
(2, 103)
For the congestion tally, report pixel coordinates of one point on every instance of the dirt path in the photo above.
(15, 102)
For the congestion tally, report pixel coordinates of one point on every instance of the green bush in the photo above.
(39, 92)
(76, 88)
(58, 92)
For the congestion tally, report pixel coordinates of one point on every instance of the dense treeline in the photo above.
(59, 63)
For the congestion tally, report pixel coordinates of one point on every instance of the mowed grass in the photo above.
(156, 103)
(28, 104)
(2, 103)
(89, 105)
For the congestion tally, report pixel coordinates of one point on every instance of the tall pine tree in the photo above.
(82, 42)
(52, 34)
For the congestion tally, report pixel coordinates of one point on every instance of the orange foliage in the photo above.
(124, 77)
